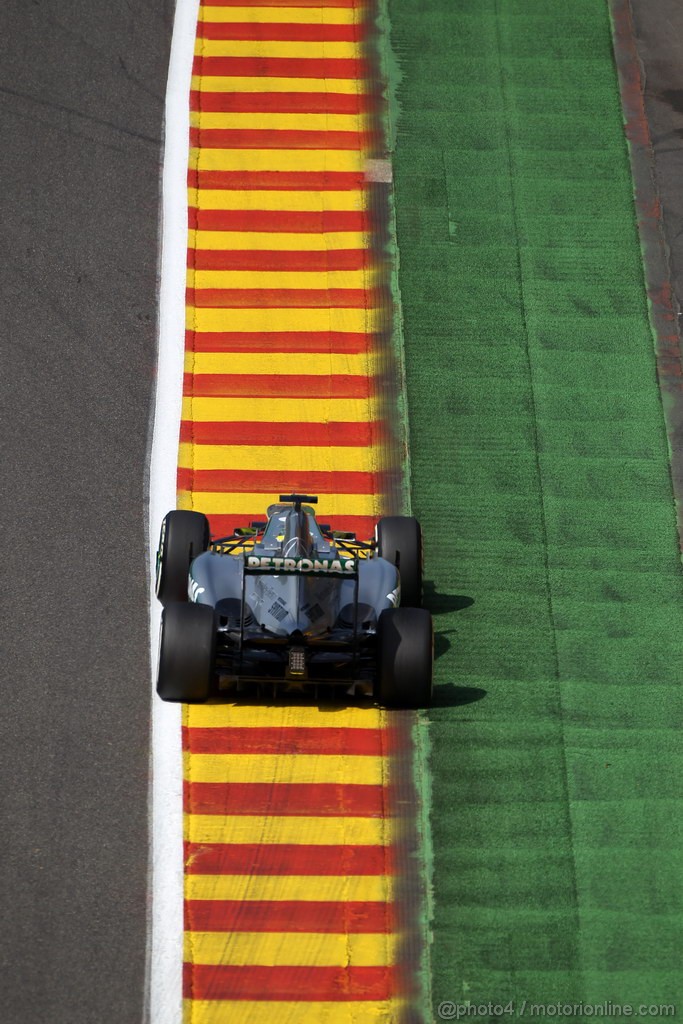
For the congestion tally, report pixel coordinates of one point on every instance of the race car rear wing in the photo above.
(342, 566)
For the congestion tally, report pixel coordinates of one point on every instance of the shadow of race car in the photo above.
(289, 603)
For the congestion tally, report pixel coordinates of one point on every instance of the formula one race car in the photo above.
(289, 602)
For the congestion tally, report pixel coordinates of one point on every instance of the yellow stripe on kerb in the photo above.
(279, 410)
(315, 364)
(288, 887)
(308, 241)
(320, 15)
(277, 160)
(280, 279)
(278, 122)
(219, 828)
(275, 199)
(274, 768)
(314, 49)
(288, 949)
(260, 320)
(220, 83)
(225, 503)
(220, 1011)
(320, 715)
(313, 459)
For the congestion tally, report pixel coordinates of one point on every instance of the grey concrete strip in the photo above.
(81, 100)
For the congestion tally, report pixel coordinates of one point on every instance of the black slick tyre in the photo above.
(399, 540)
(184, 535)
(405, 654)
(187, 653)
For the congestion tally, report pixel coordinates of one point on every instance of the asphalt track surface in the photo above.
(81, 100)
(659, 36)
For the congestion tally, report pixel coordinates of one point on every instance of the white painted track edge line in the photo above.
(165, 927)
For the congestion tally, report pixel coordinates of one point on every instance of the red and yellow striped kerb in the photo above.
(292, 848)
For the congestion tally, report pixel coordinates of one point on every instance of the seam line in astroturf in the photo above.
(537, 463)
(527, 349)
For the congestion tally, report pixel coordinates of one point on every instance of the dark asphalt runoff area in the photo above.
(82, 88)
(658, 26)
(81, 101)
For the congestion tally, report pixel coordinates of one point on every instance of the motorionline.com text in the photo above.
(448, 1010)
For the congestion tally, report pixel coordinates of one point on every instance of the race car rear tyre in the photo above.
(399, 540)
(405, 655)
(187, 653)
(184, 535)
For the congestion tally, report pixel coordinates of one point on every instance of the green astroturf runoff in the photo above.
(540, 474)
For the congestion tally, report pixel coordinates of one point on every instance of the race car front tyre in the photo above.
(184, 535)
(187, 653)
(405, 655)
(399, 540)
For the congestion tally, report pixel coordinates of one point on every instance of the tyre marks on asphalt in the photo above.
(295, 836)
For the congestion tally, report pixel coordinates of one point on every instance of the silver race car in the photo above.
(292, 604)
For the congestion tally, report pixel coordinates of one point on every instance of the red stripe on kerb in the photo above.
(322, 917)
(334, 342)
(314, 221)
(273, 31)
(280, 298)
(309, 181)
(278, 259)
(265, 385)
(289, 740)
(306, 984)
(323, 435)
(262, 481)
(281, 102)
(280, 67)
(282, 798)
(286, 859)
(276, 138)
